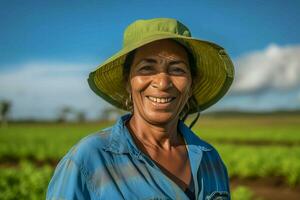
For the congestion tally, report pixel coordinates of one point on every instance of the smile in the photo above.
(160, 99)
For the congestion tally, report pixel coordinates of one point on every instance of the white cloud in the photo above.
(40, 89)
(274, 68)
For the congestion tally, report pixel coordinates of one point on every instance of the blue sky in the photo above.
(86, 30)
(64, 40)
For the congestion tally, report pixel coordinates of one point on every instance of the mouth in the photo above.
(161, 100)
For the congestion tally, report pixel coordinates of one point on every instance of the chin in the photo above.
(156, 117)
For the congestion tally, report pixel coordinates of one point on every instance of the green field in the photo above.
(252, 148)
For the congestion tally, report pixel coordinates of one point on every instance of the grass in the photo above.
(26, 150)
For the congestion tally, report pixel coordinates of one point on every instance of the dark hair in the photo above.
(127, 65)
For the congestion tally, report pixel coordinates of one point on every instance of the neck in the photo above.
(164, 136)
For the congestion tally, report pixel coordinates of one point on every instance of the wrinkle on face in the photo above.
(161, 57)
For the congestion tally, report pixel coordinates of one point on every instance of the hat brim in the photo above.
(215, 72)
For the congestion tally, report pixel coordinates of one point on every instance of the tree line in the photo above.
(65, 114)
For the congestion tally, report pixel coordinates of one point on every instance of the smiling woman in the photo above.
(161, 75)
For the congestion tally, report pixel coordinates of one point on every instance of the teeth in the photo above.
(160, 100)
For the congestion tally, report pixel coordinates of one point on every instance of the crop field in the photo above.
(262, 154)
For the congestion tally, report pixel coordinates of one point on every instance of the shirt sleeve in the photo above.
(68, 182)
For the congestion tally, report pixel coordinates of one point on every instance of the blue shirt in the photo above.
(109, 166)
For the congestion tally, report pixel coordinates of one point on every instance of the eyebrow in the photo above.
(151, 60)
(148, 60)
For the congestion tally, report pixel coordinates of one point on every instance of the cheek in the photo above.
(183, 85)
(139, 83)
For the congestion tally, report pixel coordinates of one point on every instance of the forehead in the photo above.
(167, 49)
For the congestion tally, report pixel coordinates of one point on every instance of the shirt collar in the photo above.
(121, 142)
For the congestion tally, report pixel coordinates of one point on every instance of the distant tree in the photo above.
(81, 116)
(5, 107)
(110, 114)
(64, 112)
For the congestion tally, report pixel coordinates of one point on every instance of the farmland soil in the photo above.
(268, 188)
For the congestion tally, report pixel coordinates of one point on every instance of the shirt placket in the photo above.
(167, 185)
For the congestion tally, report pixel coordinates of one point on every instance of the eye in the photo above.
(146, 69)
(176, 70)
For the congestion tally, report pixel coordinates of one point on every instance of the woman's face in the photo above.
(160, 81)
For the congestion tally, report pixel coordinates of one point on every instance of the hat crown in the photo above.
(141, 29)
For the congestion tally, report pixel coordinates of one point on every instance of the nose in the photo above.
(162, 81)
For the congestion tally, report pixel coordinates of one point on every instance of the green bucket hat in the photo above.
(215, 71)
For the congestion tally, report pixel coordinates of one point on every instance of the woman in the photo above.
(161, 75)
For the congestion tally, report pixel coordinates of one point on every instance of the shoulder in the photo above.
(99, 148)
(210, 157)
(210, 150)
(197, 143)
(89, 146)
(210, 153)
(70, 179)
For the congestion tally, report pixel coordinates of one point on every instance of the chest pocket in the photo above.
(218, 195)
